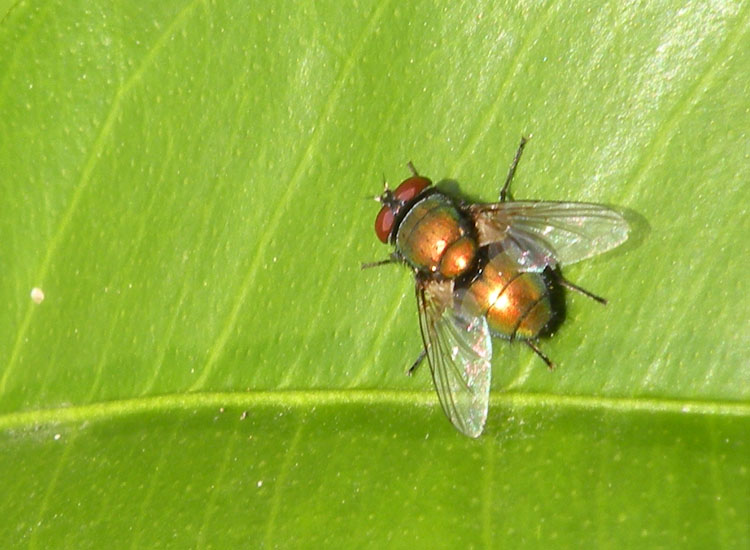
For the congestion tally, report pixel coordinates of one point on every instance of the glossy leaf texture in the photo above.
(209, 367)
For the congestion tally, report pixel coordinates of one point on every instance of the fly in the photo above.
(484, 270)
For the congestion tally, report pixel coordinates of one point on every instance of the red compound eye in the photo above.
(411, 187)
(384, 223)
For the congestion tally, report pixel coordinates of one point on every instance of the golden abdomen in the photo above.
(515, 303)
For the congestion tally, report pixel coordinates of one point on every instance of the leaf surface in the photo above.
(209, 366)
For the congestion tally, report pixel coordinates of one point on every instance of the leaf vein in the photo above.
(83, 184)
(286, 199)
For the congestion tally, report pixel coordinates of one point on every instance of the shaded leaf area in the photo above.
(346, 475)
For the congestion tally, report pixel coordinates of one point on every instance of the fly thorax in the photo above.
(434, 237)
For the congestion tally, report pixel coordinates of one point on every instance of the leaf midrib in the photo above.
(314, 398)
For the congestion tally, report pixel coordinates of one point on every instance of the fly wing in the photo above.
(541, 234)
(459, 349)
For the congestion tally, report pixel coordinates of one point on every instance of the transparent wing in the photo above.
(541, 234)
(459, 349)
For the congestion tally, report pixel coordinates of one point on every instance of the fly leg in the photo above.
(540, 353)
(572, 286)
(367, 265)
(512, 170)
(416, 363)
(394, 258)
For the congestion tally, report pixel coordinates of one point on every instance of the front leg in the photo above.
(512, 170)
(394, 258)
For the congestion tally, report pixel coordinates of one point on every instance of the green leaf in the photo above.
(209, 367)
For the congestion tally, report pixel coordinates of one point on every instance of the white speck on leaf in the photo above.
(37, 295)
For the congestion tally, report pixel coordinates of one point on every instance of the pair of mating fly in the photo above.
(486, 270)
